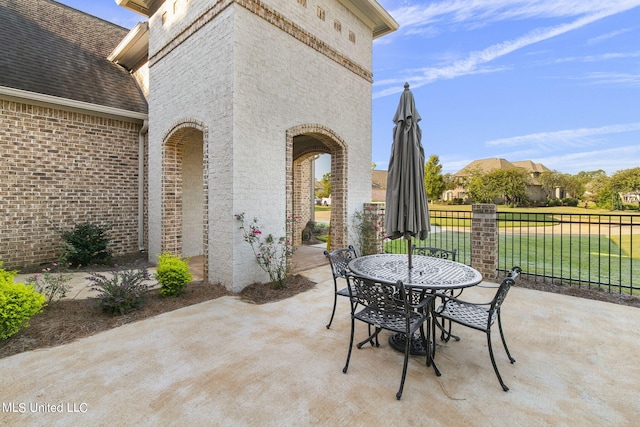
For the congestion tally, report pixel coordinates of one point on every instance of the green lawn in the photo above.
(594, 258)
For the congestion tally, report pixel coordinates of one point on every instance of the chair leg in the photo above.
(333, 312)
(445, 330)
(426, 343)
(504, 343)
(372, 337)
(346, 365)
(407, 349)
(493, 362)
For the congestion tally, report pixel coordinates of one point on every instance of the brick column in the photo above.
(484, 240)
(375, 211)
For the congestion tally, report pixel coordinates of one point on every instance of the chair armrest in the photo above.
(446, 298)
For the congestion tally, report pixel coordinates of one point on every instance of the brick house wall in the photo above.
(61, 168)
(255, 75)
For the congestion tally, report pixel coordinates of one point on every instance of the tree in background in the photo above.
(508, 184)
(477, 189)
(433, 180)
(325, 191)
(573, 186)
(449, 181)
(550, 180)
(626, 181)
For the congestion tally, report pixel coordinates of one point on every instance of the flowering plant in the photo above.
(270, 252)
(368, 231)
(53, 283)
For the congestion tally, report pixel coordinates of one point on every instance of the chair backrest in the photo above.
(384, 297)
(506, 284)
(435, 252)
(339, 260)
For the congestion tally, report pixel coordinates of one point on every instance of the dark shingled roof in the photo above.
(52, 49)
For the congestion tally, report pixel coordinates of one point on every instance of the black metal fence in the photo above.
(591, 250)
(586, 250)
(449, 230)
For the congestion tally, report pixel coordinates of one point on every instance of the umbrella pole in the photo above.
(409, 251)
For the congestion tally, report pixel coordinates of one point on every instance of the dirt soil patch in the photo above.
(582, 292)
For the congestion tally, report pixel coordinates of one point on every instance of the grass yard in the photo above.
(594, 258)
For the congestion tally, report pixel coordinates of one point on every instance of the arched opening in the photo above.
(304, 143)
(184, 196)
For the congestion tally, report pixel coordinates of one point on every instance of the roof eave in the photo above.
(143, 7)
(132, 49)
(373, 14)
(49, 100)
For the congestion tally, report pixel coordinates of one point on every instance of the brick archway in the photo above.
(303, 143)
(172, 187)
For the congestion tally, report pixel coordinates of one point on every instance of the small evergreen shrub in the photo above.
(85, 244)
(18, 304)
(172, 273)
(121, 291)
(570, 201)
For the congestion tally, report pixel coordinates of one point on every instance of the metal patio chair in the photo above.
(390, 307)
(445, 327)
(481, 316)
(339, 260)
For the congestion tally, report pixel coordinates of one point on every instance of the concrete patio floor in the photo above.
(229, 363)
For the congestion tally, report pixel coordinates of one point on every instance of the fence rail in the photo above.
(586, 250)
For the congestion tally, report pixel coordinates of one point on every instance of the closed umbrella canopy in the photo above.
(406, 212)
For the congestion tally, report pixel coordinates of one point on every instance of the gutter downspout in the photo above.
(141, 136)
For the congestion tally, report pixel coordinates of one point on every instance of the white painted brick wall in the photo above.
(249, 82)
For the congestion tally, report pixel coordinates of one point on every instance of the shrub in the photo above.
(85, 244)
(53, 283)
(272, 254)
(18, 304)
(172, 274)
(121, 291)
(367, 231)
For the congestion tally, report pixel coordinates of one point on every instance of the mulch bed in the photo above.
(68, 320)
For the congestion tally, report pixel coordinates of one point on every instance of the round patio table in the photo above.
(429, 273)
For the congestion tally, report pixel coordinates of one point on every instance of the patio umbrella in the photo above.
(406, 212)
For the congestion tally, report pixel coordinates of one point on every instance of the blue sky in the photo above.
(553, 81)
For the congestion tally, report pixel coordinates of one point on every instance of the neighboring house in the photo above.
(378, 185)
(243, 95)
(535, 191)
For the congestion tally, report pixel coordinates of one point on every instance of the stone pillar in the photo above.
(375, 214)
(484, 240)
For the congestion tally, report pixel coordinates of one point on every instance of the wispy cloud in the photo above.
(610, 160)
(601, 57)
(614, 78)
(469, 11)
(566, 138)
(612, 34)
(478, 13)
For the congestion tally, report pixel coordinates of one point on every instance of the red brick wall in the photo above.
(60, 168)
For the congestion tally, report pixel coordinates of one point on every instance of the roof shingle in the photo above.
(52, 49)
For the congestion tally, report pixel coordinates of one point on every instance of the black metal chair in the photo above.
(339, 260)
(435, 252)
(386, 306)
(481, 316)
(445, 327)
